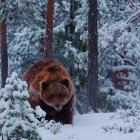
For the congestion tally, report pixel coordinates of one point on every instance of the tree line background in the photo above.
(97, 41)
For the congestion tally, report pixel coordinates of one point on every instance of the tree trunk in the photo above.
(4, 54)
(92, 77)
(49, 28)
(72, 27)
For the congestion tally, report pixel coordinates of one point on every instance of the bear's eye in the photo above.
(65, 83)
(44, 85)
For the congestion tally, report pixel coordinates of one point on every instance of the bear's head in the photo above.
(53, 86)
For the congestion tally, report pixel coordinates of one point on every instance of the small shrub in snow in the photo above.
(123, 100)
(116, 127)
(17, 118)
(105, 95)
(127, 121)
(53, 126)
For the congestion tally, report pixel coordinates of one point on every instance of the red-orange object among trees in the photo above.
(4, 54)
(120, 75)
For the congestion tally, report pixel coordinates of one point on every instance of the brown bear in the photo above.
(51, 87)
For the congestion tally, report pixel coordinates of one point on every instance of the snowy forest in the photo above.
(97, 41)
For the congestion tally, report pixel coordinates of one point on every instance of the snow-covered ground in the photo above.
(90, 127)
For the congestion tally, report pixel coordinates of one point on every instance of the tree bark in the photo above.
(92, 77)
(49, 28)
(4, 53)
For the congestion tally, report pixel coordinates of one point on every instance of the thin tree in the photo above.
(92, 77)
(70, 29)
(49, 28)
(4, 54)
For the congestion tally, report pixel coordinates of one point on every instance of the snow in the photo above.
(89, 127)
(59, 28)
(119, 68)
(40, 112)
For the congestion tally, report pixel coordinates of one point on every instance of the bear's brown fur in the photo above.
(51, 88)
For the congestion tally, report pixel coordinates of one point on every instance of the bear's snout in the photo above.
(58, 107)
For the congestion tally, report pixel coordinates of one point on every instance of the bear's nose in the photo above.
(58, 107)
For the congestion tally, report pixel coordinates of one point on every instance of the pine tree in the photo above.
(25, 28)
(3, 43)
(49, 28)
(92, 78)
(17, 118)
(118, 44)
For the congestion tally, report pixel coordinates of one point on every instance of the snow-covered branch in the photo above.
(134, 17)
(137, 6)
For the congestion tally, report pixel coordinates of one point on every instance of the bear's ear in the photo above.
(36, 84)
(34, 90)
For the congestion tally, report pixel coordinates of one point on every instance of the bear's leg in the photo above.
(65, 116)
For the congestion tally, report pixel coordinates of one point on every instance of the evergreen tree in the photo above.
(118, 42)
(92, 78)
(17, 118)
(3, 43)
(25, 28)
(49, 28)
(69, 46)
